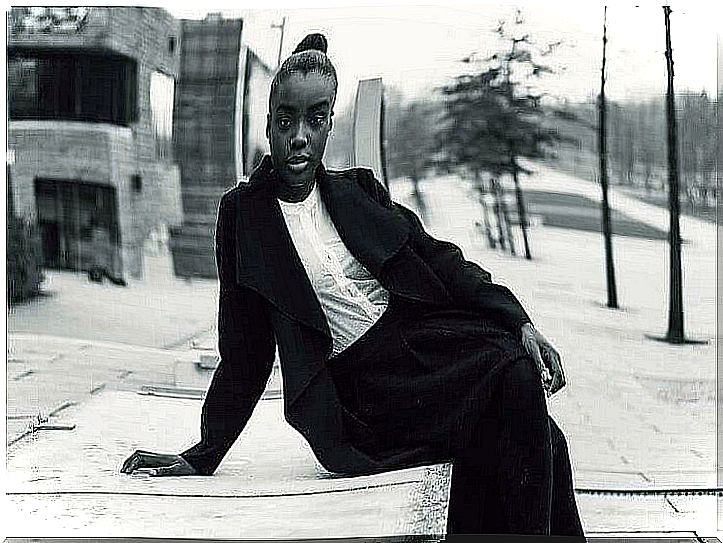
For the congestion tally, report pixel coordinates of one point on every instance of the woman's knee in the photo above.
(521, 395)
(522, 381)
(559, 441)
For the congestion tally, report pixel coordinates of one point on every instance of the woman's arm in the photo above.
(468, 283)
(247, 348)
(471, 286)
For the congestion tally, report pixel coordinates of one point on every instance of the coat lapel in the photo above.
(371, 232)
(267, 260)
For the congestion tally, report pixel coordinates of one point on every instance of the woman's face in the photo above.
(298, 125)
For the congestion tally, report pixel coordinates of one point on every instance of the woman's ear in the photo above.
(268, 126)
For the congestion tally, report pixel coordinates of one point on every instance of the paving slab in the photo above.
(49, 373)
(647, 514)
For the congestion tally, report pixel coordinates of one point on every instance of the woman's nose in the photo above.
(300, 137)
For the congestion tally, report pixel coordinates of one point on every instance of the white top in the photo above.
(352, 299)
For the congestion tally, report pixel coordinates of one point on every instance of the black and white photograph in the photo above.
(314, 271)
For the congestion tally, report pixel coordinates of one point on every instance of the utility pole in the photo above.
(602, 133)
(675, 308)
(281, 27)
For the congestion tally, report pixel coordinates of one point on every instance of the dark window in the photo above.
(22, 85)
(71, 215)
(136, 182)
(73, 87)
(172, 44)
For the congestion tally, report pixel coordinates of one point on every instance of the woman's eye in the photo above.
(284, 123)
(318, 120)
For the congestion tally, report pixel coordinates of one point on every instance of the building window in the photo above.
(162, 93)
(47, 20)
(136, 183)
(72, 216)
(172, 44)
(68, 86)
(22, 86)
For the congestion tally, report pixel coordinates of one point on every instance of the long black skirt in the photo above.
(421, 376)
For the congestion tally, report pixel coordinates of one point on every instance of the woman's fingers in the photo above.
(156, 464)
(558, 374)
(127, 464)
(134, 462)
(141, 459)
(178, 468)
(533, 349)
(163, 471)
(546, 358)
(560, 371)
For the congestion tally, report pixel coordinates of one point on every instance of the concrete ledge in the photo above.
(67, 483)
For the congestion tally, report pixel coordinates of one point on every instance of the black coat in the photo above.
(266, 299)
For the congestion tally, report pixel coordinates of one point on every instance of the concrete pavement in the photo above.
(148, 312)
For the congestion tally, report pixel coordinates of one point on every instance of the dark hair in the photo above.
(308, 57)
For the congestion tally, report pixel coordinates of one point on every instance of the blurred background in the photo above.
(553, 143)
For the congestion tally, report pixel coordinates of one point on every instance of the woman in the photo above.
(395, 350)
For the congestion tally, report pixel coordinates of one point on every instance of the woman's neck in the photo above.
(294, 193)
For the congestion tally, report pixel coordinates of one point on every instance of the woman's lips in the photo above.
(297, 164)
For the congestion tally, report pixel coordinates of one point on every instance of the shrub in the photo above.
(24, 260)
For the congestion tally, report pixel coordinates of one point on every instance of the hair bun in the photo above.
(312, 42)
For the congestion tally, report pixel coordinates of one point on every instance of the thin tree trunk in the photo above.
(485, 212)
(521, 213)
(648, 172)
(607, 230)
(419, 199)
(498, 214)
(506, 218)
(676, 332)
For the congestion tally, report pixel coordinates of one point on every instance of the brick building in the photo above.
(219, 131)
(90, 96)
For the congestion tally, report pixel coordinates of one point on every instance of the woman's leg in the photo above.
(565, 515)
(474, 501)
(514, 451)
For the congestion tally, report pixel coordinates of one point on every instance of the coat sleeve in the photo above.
(247, 349)
(468, 284)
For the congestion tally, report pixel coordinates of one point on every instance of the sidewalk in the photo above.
(639, 414)
(147, 312)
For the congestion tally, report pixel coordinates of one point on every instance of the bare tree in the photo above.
(606, 227)
(676, 332)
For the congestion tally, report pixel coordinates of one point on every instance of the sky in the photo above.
(418, 48)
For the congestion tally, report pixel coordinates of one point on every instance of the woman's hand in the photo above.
(546, 357)
(157, 465)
